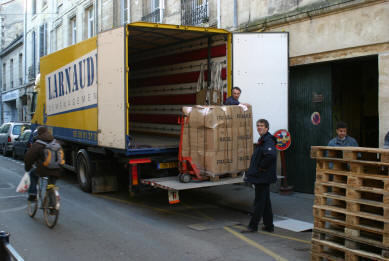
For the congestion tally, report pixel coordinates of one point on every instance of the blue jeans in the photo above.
(34, 181)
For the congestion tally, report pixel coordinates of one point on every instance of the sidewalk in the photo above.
(296, 206)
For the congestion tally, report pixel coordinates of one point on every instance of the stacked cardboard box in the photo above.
(218, 138)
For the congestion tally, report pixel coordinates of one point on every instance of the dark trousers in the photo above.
(34, 180)
(262, 207)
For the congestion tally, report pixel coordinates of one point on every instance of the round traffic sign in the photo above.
(283, 139)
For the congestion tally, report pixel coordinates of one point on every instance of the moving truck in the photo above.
(114, 100)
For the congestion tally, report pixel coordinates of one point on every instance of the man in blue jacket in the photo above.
(234, 98)
(261, 173)
(342, 140)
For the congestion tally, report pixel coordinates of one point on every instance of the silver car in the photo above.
(9, 131)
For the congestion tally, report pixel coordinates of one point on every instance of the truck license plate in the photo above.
(168, 165)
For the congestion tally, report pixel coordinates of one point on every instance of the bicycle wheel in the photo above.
(32, 207)
(51, 207)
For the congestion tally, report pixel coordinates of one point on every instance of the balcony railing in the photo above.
(194, 12)
(153, 17)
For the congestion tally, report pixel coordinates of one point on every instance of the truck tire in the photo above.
(84, 170)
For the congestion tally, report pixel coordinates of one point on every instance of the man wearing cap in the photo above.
(35, 155)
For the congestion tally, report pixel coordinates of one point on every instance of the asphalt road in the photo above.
(112, 226)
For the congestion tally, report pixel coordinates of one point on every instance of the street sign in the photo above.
(283, 139)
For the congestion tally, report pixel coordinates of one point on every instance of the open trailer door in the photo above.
(111, 88)
(260, 69)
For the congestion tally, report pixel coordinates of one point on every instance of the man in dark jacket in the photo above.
(35, 155)
(261, 173)
(234, 98)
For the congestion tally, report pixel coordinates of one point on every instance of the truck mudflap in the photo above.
(173, 185)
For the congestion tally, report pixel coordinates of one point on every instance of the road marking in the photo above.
(152, 208)
(280, 236)
(18, 196)
(12, 209)
(256, 245)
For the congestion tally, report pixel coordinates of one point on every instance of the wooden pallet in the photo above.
(351, 210)
(331, 236)
(351, 159)
(325, 250)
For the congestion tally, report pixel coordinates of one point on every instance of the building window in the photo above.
(151, 11)
(32, 70)
(4, 77)
(11, 72)
(20, 69)
(42, 40)
(90, 21)
(73, 30)
(58, 35)
(33, 7)
(194, 12)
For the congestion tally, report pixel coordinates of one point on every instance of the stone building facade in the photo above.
(11, 59)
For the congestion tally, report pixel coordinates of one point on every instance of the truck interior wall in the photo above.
(169, 70)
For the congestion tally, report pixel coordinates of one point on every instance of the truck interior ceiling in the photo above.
(168, 69)
(355, 98)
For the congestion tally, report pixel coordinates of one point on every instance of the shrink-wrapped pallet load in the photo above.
(218, 138)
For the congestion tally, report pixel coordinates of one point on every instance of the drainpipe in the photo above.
(128, 11)
(24, 41)
(95, 16)
(235, 14)
(161, 9)
(218, 13)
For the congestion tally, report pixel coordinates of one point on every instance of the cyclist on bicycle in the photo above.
(35, 155)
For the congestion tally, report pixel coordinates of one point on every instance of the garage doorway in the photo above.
(355, 98)
(344, 90)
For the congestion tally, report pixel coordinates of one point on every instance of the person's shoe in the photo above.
(269, 229)
(249, 230)
(31, 198)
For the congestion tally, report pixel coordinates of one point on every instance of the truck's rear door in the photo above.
(111, 88)
(260, 69)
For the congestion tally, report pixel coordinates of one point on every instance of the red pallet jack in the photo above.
(187, 168)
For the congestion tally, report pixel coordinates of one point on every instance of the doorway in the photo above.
(320, 95)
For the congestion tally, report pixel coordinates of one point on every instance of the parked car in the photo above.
(9, 131)
(21, 145)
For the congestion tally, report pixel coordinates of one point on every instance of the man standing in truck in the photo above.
(234, 98)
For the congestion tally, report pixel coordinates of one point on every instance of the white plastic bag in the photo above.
(24, 183)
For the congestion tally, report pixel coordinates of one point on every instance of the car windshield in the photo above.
(17, 130)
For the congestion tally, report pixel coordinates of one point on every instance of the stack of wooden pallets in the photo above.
(351, 209)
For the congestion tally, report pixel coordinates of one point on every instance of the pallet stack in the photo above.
(351, 209)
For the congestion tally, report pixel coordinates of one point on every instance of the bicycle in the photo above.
(48, 200)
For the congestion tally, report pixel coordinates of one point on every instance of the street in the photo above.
(112, 226)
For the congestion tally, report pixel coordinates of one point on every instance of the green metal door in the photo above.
(309, 121)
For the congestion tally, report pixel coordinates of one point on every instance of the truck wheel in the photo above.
(83, 168)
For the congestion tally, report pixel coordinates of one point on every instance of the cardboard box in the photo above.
(219, 138)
